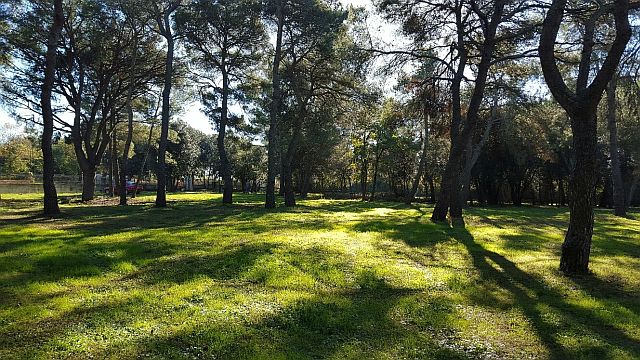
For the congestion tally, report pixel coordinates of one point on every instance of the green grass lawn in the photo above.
(330, 279)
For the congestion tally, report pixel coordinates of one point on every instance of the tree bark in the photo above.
(49, 187)
(374, 182)
(619, 202)
(88, 184)
(225, 166)
(164, 23)
(577, 244)
(272, 151)
(422, 165)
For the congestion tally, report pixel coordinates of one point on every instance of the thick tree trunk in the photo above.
(49, 187)
(577, 244)
(619, 203)
(449, 198)
(161, 172)
(88, 184)
(272, 152)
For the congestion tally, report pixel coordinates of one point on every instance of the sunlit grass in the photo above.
(329, 279)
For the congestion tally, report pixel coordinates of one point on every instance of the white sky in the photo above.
(197, 119)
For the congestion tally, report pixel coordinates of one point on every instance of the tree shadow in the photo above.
(530, 292)
(350, 324)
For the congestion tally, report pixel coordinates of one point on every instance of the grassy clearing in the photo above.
(330, 279)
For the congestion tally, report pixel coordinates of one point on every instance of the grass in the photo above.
(330, 279)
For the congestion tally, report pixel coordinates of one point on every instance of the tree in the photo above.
(581, 107)
(277, 12)
(462, 37)
(164, 13)
(228, 39)
(50, 193)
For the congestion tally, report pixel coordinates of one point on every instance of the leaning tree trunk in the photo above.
(619, 203)
(49, 187)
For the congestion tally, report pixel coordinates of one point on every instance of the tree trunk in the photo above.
(450, 189)
(581, 107)
(364, 172)
(225, 166)
(272, 152)
(88, 183)
(287, 179)
(49, 187)
(632, 190)
(619, 203)
(112, 181)
(146, 158)
(374, 182)
(287, 168)
(577, 243)
(127, 143)
(161, 172)
(422, 165)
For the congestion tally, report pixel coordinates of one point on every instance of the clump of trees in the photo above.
(494, 102)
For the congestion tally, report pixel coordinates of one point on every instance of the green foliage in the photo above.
(19, 156)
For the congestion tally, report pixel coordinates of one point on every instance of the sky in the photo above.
(192, 112)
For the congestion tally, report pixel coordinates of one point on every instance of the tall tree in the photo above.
(274, 113)
(462, 37)
(228, 39)
(50, 194)
(581, 105)
(164, 16)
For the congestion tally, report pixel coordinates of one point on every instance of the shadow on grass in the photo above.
(530, 294)
(348, 325)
